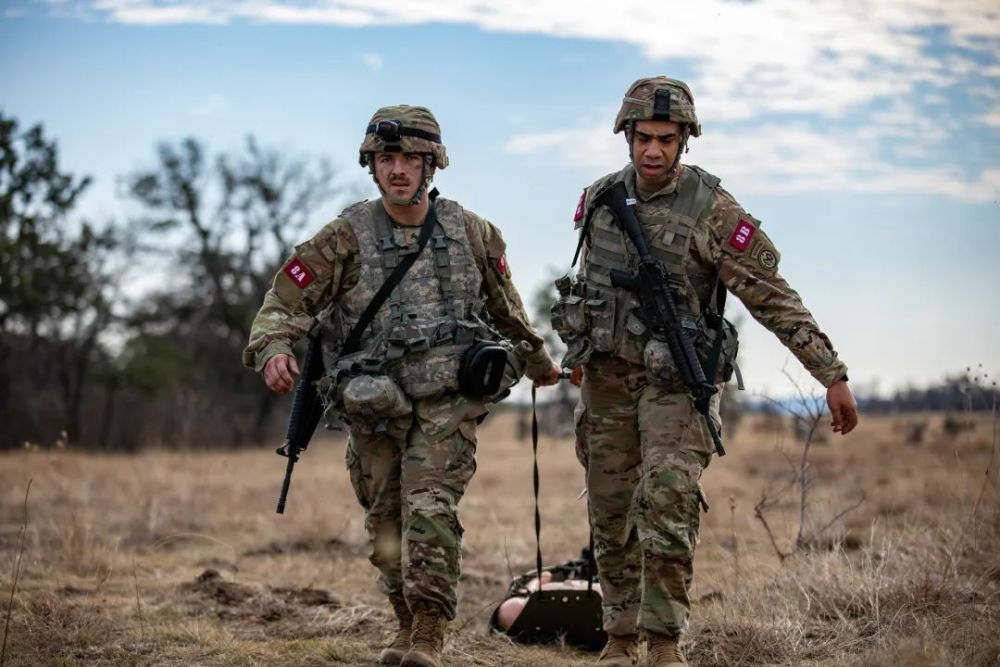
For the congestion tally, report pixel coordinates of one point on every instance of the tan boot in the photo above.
(620, 651)
(663, 651)
(394, 652)
(427, 638)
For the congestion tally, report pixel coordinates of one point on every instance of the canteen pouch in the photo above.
(375, 397)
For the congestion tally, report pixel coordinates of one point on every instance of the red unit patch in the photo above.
(578, 216)
(298, 272)
(502, 264)
(742, 234)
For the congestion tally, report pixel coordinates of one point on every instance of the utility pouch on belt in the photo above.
(482, 368)
(375, 396)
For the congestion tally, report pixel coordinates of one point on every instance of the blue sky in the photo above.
(864, 135)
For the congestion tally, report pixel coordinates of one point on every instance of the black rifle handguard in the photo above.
(307, 408)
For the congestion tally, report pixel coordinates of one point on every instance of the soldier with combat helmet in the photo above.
(412, 430)
(639, 435)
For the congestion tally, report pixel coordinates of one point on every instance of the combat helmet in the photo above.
(403, 128)
(658, 98)
(407, 129)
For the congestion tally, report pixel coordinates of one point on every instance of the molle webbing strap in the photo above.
(585, 230)
(442, 267)
(389, 251)
(354, 339)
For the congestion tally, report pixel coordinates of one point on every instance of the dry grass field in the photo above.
(168, 558)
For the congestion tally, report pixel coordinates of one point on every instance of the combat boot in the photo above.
(394, 652)
(620, 651)
(663, 651)
(427, 638)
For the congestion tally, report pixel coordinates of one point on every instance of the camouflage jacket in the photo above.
(727, 242)
(331, 263)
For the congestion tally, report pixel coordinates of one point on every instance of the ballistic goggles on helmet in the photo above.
(392, 131)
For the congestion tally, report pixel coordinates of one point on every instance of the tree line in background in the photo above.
(120, 334)
(127, 333)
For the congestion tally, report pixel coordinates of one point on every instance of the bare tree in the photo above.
(227, 223)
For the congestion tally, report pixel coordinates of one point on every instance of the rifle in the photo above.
(659, 310)
(306, 411)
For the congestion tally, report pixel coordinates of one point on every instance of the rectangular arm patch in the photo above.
(741, 235)
(298, 272)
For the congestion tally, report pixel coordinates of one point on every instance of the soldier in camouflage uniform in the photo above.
(643, 444)
(412, 435)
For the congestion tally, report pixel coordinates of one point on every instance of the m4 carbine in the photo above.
(659, 309)
(307, 408)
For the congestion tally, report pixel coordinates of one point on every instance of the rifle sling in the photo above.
(712, 362)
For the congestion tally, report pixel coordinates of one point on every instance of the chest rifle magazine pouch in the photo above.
(482, 369)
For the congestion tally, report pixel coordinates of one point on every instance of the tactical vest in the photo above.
(436, 312)
(594, 316)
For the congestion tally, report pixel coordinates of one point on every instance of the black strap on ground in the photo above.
(354, 339)
(538, 516)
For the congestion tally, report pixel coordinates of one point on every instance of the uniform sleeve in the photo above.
(307, 282)
(747, 262)
(502, 298)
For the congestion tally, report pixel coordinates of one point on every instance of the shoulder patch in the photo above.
(578, 216)
(299, 272)
(741, 236)
(502, 267)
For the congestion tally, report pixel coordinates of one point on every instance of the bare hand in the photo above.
(576, 376)
(843, 407)
(550, 377)
(279, 373)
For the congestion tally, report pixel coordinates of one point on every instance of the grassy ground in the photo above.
(179, 559)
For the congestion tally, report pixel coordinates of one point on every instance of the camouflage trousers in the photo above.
(409, 475)
(644, 450)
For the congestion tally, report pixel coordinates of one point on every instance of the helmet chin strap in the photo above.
(425, 181)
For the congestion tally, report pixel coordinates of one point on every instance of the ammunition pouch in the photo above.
(374, 397)
(584, 321)
(661, 368)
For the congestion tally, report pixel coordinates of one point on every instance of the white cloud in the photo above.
(764, 61)
(992, 119)
(373, 61)
(822, 56)
(775, 159)
(14, 12)
(211, 106)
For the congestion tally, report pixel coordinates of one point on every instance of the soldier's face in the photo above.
(399, 174)
(654, 148)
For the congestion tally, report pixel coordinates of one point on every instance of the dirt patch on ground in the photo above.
(333, 545)
(211, 592)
